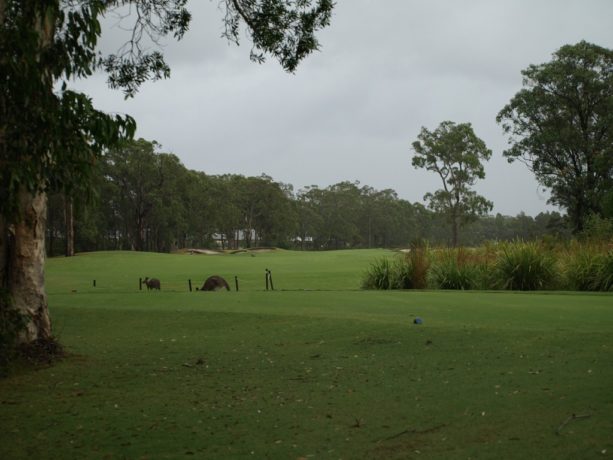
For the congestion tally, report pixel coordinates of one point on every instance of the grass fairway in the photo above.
(319, 370)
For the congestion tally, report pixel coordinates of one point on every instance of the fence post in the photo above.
(94, 283)
(270, 277)
(236, 282)
(140, 284)
(267, 279)
(190, 285)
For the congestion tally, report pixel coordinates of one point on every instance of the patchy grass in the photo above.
(336, 374)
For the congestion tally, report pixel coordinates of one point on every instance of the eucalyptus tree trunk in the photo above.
(22, 262)
(27, 281)
(22, 233)
(4, 257)
(69, 219)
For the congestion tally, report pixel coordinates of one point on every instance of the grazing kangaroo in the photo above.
(152, 283)
(214, 283)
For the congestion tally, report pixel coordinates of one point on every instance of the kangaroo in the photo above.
(214, 283)
(152, 283)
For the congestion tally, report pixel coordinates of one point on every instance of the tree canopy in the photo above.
(51, 137)
(147, 200)
(561, 126)
(455, 154)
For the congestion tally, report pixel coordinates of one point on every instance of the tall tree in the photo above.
(561, 126)
(339, 208)
(455, 154)
(50, 136)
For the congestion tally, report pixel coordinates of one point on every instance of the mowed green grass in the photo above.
(328, 372)
(120, 271)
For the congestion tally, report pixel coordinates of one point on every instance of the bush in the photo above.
(379, 275)
(412, 272)
(581, 270)
(589, 269)
(524, 267)
(604, 276)
(455, 269)
(405, 272)
(597, 229)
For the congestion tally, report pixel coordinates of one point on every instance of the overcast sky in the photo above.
(386, 68)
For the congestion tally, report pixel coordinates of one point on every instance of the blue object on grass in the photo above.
(417, 320)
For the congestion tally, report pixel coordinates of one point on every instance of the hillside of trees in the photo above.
(146, 200)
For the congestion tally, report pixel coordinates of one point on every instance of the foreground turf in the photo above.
(321, 374)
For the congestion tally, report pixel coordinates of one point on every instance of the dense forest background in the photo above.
(146, 200)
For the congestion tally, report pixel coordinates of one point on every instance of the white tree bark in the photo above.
(22, 236)
(26, 274)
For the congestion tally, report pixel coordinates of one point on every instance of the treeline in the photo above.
(146, 200)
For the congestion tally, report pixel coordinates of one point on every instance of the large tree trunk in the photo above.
(22, 234)
(4, 255)
(26, 262)
(69, 219)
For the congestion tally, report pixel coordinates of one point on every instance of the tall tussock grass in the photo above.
(518, 265)
(459, 269)
(406, 271)
(378, 275)
(415, 266)
(589, 268)
(525, 267)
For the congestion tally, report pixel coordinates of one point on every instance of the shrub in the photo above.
(404, 272)
(597, 229)
(378, 275)
(524, 267)
(581, 269)
(589, 269)
(604, 276)
(455, 269)
(414, 271)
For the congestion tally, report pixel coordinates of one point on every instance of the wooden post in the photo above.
(267, 279)
(236, 283)
(190, 285)
(270, 278)
(94, 283)
(140, 284)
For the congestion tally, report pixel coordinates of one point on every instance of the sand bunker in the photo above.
(210, 252)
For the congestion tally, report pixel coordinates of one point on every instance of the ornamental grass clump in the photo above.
(604, 280)
(412, 270)
(408, 271)
(378, 275)
(457, 269)
(524, 267)
(590, 269)
(581, 270)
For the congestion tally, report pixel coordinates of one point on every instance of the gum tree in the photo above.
(51, 136)
(455, 154)
(561, 126)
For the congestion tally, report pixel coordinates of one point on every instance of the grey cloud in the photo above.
(386, 68)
